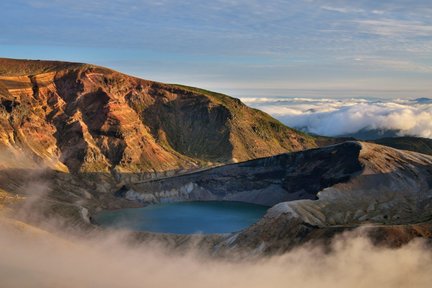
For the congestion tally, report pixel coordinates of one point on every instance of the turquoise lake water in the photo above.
(209, 217)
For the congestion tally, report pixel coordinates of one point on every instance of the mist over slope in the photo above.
(360, 118)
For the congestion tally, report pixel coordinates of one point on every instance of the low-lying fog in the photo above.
(31, 259)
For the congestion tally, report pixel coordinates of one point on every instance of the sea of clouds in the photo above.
(336, 117)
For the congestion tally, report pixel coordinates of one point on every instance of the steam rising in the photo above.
(38, 259)
(334, 117)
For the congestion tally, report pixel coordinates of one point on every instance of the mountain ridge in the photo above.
(89, 118)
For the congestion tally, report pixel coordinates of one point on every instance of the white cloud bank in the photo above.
(335, 117)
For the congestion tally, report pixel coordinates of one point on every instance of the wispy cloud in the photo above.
(376, 63)
(264, 45)
(378, 12)
(394, 27)
(342, 9)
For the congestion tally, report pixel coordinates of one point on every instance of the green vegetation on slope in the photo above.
(234, 103)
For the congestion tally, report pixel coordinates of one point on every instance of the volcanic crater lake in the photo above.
(206, 217)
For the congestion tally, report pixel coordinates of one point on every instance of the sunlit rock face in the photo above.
(84, 118)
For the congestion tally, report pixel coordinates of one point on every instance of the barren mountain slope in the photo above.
(84, 118)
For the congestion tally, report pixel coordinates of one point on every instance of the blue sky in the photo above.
(299, 48)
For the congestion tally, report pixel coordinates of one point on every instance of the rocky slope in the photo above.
(312, 193)
(392, 193)
(85, 118)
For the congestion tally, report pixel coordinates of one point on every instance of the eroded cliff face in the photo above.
(84, 118)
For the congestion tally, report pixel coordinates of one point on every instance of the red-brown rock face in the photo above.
(85, 118)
